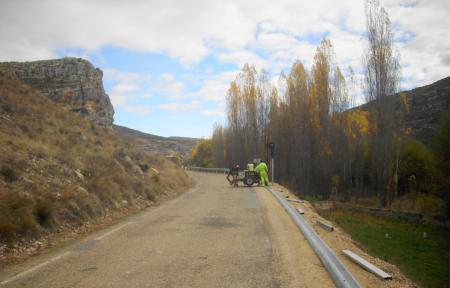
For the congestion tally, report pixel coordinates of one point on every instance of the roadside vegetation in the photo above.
(328, 149)
(201, 155)
(421, 251)
(57, 169)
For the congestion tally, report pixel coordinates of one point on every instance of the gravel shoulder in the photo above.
(294, 262)
(338, 240)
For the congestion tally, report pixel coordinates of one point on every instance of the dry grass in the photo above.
(58, 168)
(426, 204)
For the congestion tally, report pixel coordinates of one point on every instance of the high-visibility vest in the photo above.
(261, 167)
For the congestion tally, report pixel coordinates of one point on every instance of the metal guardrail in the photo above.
(208, 170)
(340, 275)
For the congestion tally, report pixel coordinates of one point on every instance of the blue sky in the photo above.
(160, 92)
(167, 64)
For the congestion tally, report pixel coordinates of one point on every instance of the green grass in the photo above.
(425, 260)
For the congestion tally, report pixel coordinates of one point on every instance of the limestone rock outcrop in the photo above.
(74, 82)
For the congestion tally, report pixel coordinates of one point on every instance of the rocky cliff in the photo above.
(73, 82)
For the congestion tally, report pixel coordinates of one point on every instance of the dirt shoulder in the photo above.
(294, 262)
(338, 240)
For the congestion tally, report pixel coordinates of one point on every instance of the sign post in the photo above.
(271, 147)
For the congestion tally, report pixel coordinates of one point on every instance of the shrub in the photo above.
(7, 228)
(6, 107)
(19, 208)
(8, 174)
(417, 169)
(27, 221)
(201, 155)
(429, 204)
(43, 212)
(144, 167)
(150, 194)
(155, 177)
(442, 153)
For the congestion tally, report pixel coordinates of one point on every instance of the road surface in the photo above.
(211, 236)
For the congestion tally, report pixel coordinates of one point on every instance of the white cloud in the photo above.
(214, 88)
(268, 34)
(167, 85)
(180, 107)
(129, 88)
(139, 109)
(242, 57)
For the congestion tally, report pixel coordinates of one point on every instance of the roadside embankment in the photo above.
(420, 250)
(339, 240)
(62, 174)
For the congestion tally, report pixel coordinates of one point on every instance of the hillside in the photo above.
(166, 146)
(426, 106)
(60, 169)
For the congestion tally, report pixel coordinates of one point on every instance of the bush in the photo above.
(442, 144)
(8, 174)
(442, 153)
(144, 167)
(417, 169)
(43, 212)
(19, 208)
(156, 178)
(430, 205)
(150, 195)
(7, 228)
(201, 155)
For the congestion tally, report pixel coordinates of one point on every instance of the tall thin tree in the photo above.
(381, 80)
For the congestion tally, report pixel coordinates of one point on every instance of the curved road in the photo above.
(211, 236)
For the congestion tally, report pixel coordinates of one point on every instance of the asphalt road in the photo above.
(211, 236)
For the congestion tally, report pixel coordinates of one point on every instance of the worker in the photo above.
(234, 172)
(250, 167)
(263, 173)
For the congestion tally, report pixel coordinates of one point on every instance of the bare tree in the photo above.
(381, 79)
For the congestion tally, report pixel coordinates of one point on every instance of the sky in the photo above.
(167, 64)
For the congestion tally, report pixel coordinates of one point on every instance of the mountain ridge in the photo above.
(426, 105)
(167, 146)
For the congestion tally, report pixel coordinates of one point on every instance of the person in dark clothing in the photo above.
(234, 175)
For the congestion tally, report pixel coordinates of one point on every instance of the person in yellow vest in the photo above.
(263, 173)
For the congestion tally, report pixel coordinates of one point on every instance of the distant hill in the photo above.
(167, 146)
(426, 106)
